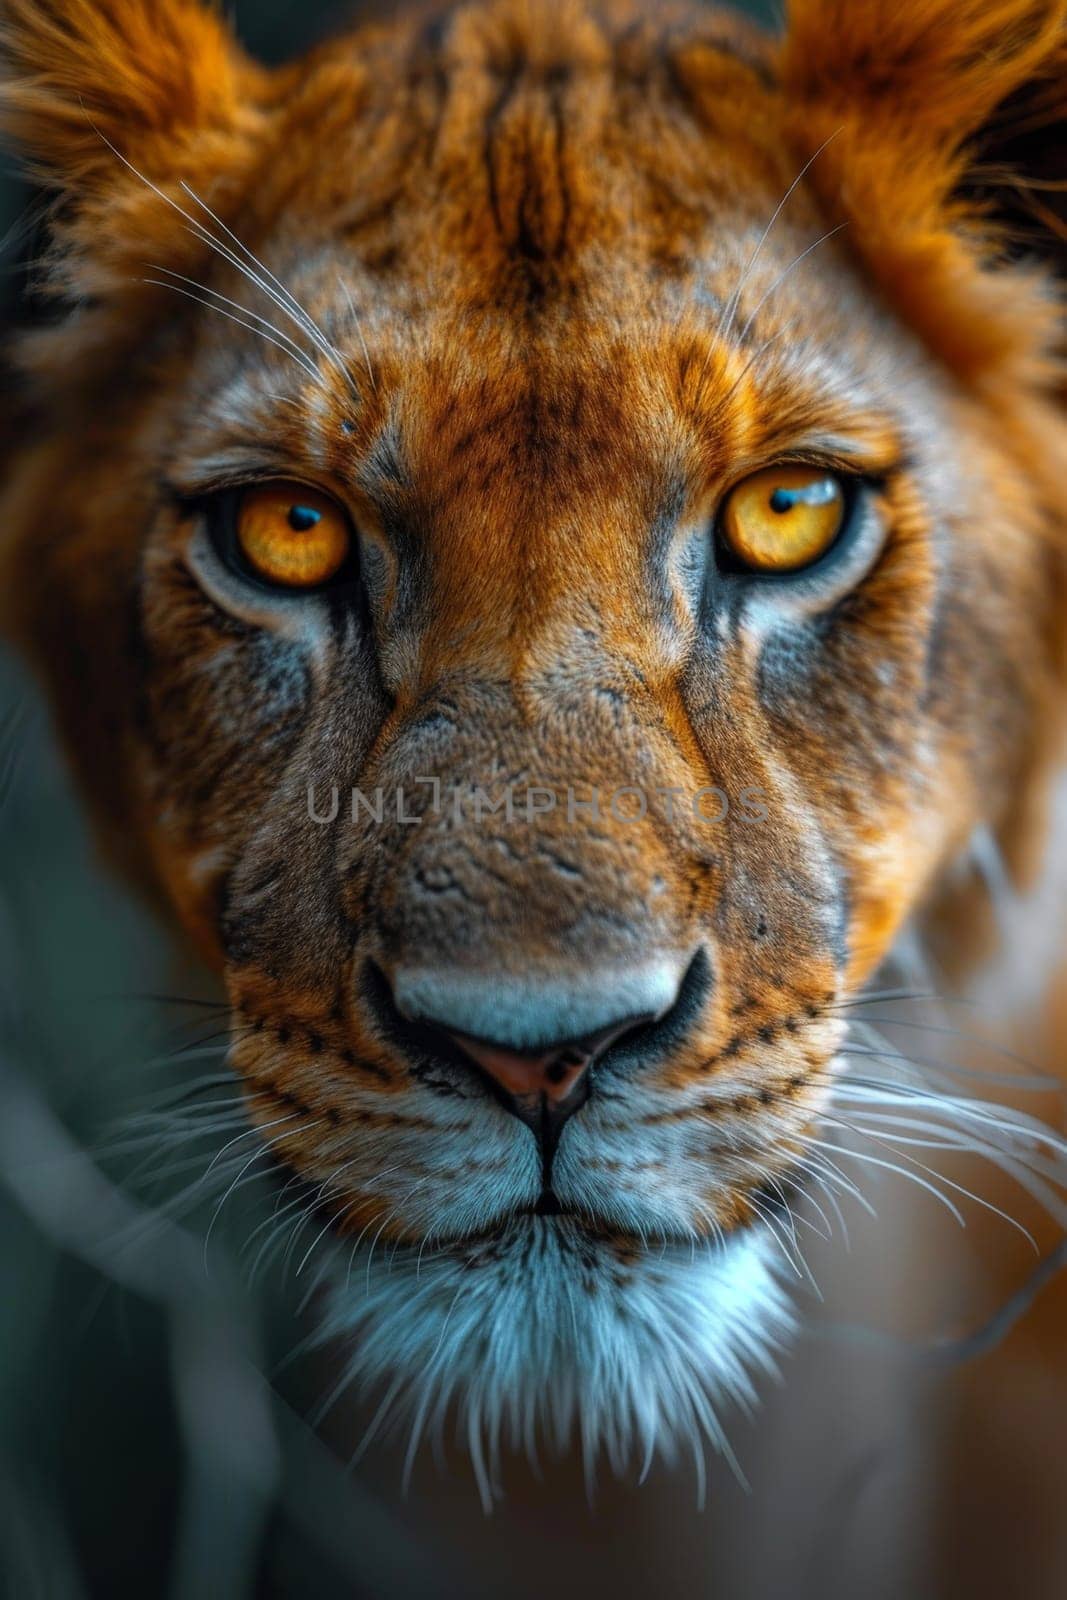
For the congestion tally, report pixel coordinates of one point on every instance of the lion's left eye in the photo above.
(783, 518)
(291, 535)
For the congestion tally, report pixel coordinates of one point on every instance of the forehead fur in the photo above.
(525, 156)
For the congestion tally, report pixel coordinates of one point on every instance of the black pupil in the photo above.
(784, 499)
(303, 518)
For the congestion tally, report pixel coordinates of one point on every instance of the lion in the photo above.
(542, 529)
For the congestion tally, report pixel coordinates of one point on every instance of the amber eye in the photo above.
(292, 535)
(783, 518)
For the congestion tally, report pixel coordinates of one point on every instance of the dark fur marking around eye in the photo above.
(384, 467)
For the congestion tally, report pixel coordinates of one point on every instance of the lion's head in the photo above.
(543, 529)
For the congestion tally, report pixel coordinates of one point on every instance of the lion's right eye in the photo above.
(289, 535)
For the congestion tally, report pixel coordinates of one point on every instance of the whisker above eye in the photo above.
(756, 356)
(264, 279)
(289, 348)
(782, 276)
(730, 310)
(346, 291)
(251, 268)
(225, 300)
(257, 274)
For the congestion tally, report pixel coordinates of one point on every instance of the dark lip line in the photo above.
(774, 1202)
(592, 1231)
(599, 1231)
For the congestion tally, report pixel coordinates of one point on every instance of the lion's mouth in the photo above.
(440, 1059)
(759, 1209)
(760, 1206)
(763, 1207)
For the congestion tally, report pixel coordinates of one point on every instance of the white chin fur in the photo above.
(543, 1335)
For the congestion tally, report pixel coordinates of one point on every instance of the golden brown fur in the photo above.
(561, 288)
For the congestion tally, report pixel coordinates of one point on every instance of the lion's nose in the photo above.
(536, 1038)
(554, 1073)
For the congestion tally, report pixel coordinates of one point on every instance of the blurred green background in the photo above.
(151, 1433)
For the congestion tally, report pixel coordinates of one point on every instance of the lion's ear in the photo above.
(947, 159)
(150, 78)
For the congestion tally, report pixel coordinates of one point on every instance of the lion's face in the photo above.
(542, 833)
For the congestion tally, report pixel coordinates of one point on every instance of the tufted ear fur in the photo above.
(937, 132)
(145, 75)
(92, 89)
(947, 158)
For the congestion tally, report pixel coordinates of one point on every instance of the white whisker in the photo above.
(781, 278)
(201, 300)
(276, 335)
(730, 310)
(359, 331)
(288, 301)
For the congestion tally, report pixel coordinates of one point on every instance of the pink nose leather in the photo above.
(552, 1073)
